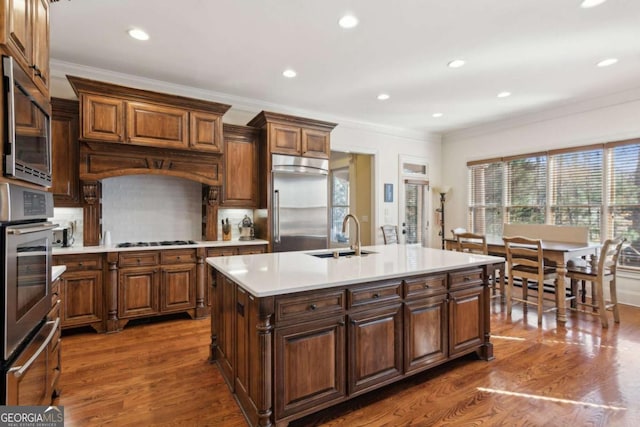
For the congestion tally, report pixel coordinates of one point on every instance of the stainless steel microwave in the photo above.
(27, 140)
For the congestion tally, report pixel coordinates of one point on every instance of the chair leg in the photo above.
(574, 293)
(509, 292)
(540, 300)
(599, 295)
(583, 293)
(525, 289)
(502, 284)
(614, 300)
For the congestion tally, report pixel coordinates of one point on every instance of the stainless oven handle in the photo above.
(19, 371)
(31, 228)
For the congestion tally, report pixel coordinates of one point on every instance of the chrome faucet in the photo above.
(356, 244)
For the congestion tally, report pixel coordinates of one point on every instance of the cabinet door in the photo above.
(64, 152)
(138, 290)
(226, 291)
(466, 319)
(81, 294)
(315, 143)
(241, 173)
(18, 30)
(102, 118)
(41, 44)
(284, 139)
(157, 125)
(178, 289)
(309, 365)
(205, 132)
(375, 347)
(425, 332)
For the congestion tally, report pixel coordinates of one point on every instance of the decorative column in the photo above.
(92, 212)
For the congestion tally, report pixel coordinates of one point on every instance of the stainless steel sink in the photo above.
(339, 254)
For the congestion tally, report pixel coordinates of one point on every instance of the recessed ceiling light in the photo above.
(383, 97)
(138, 34)
(607, 62)
(348, 21)
(586, 4)
(456, 63)
(436, 115)
(289, 73)
(504, 94)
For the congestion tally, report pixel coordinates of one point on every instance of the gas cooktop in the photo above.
(162, 243)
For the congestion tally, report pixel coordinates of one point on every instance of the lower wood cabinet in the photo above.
(286, 356)
(426, 332)
(54, 361)
(160, 282)
(375, 347)
(309, 365)
(81, 290)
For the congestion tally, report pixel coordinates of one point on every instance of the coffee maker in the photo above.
(246, 229)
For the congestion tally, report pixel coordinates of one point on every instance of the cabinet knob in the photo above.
(312, 307)
(466, 278)
(80, 264)
(426, 286)
(178, 258)
(376, 295)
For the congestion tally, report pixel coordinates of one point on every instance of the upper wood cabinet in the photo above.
(64, 152)
(295, 136)
(240, 166)
(26, 35)
(112, 113)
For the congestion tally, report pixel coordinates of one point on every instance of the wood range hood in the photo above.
(128, 131)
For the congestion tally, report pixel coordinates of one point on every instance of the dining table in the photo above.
(555, 254)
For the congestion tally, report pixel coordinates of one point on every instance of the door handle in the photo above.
(19, 371)
(276, 216)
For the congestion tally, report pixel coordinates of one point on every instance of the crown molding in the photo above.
(60, 69)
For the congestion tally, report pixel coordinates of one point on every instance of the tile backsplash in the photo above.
(151, 207)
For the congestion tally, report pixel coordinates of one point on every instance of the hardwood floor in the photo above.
(157, 374)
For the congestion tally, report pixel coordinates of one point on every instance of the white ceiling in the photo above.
(543, 51)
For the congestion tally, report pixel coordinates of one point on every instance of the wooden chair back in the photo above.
(524, 255)
(390, 234)
(472, 242)
(608, 260)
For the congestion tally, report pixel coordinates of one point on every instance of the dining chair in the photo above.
(390, 234)
(477, 243)
(525, 261)
(601, 272)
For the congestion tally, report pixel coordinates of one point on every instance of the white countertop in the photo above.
(285, 272)
(79, 249)
(56, 271)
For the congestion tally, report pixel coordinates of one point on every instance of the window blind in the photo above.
(526, 190)
(486, 198)
(623, 215)
(576, 190)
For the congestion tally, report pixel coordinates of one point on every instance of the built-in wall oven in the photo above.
(26, 242)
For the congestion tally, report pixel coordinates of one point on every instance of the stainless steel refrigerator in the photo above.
(299, 212)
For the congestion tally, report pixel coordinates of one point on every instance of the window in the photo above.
(595, 186)
(576, 190)
(339, 204)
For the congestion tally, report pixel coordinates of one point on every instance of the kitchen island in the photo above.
(294, 333)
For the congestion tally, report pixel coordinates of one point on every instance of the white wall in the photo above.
(564, 127)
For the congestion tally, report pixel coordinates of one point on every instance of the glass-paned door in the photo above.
(416, 225)
(339, 204)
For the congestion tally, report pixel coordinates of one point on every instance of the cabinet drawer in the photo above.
(309, 306)
(137, 259)
(226, 251)
(465, 278)
(425, 285)
(55, 292)
(178, 256)
(79, 262)
(253, 249)
(374, 294)
(54, 313)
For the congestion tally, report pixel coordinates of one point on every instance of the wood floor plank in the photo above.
(157, 374)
